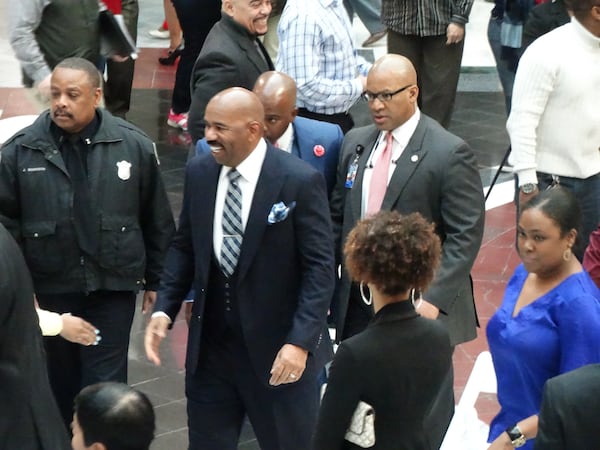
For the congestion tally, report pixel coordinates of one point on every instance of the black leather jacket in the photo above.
(133, 215)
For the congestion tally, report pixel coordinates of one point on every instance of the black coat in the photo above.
(133, 216)
(229, 58)
(29, 418)
(396, 365)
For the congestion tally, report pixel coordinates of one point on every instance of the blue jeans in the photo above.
(506, 75)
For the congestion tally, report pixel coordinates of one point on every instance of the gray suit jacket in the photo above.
(436, 176)
(570, 411)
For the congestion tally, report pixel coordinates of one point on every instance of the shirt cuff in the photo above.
(527, 176)
(161, 314)
(458, 19)
(50, 322)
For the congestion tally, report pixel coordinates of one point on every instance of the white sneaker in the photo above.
(159, 34)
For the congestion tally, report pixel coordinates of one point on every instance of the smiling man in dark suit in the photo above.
(314, 141)
(407, 162)
(231, 56)
(255, 241)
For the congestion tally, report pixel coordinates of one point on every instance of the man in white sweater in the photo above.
(554, 124)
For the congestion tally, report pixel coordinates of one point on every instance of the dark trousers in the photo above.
(344, 120)
(71, 367)
(196, 19)
(438, 69)
(225, 388)
(119, 75)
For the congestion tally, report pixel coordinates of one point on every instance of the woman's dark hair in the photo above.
(393, 252)
(560, 205)
(115, 415)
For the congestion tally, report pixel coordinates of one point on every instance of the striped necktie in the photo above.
(232, 225)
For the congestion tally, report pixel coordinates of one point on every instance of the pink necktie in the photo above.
(379, 177)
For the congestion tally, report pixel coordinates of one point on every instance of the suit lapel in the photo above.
(252, 52)
(297, 147)
(202, 203)
(266, 194)
(406, 165)
(367, 141)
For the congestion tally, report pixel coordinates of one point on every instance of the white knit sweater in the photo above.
(554, 124)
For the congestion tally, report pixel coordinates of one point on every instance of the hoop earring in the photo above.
(567, 254)
(363, 296)
(416, 304)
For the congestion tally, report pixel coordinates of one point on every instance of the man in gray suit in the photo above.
(407, 162)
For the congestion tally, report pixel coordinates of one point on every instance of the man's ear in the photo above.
(294, 113)
(227, 7)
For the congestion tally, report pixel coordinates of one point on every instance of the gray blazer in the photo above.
(436, 176)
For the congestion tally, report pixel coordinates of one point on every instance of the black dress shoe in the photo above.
(171, 57)
(374, 38)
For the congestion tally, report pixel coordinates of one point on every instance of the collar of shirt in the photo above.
(401, 135)
(250, 167)
(249, 170)
(286, 139)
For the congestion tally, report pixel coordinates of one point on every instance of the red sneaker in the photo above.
(178, 120)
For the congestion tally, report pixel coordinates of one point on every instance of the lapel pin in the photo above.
(318, 150)
(414, 158)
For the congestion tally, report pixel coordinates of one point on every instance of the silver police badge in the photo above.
(124, 170)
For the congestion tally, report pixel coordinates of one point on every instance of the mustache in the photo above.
(61, 112)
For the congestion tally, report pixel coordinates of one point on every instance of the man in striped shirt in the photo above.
(431, 34)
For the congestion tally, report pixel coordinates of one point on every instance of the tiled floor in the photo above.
(479, 119)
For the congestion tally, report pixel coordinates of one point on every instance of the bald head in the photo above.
(399, 65)
(234, 125)
(238, 102)
(277, 93)
(392, 87)
(275, 84)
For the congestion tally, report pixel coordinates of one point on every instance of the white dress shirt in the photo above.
(249, 170)
(401, 136)
(286, 140)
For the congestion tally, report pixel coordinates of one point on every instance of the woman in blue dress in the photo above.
(549, 320)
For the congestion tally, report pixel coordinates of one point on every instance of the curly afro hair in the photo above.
(393, 252)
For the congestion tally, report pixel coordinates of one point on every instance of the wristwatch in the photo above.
(528, 188)
(517, 439)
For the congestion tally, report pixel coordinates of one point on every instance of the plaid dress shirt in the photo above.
(316, 49)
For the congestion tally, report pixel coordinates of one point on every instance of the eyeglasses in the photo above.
(383, 96)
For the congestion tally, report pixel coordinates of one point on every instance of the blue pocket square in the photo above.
(279, 212)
